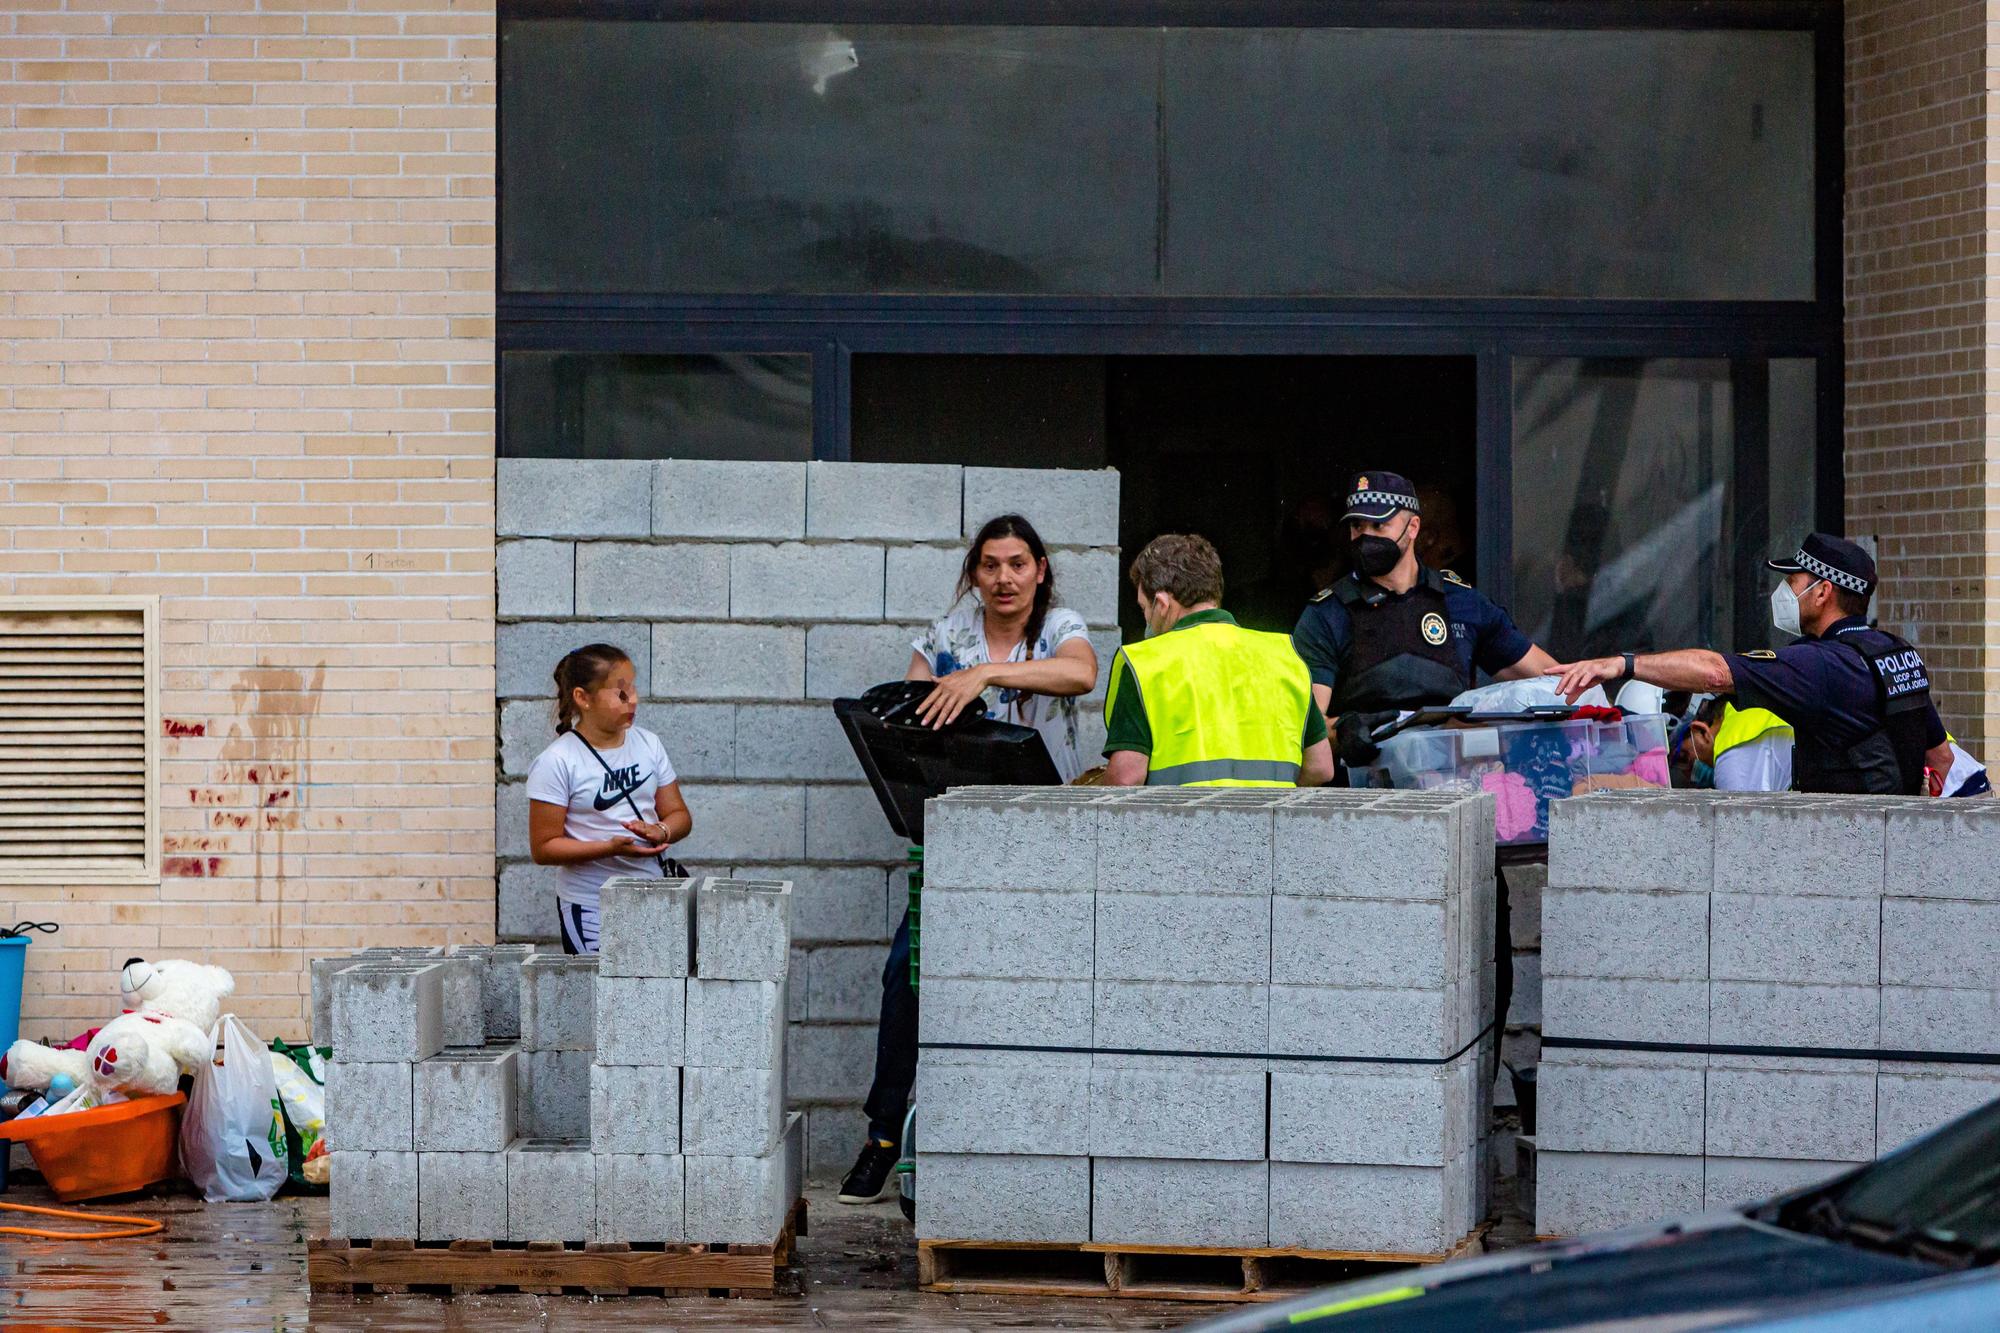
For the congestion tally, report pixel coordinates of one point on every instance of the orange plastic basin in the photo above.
(107, 1150)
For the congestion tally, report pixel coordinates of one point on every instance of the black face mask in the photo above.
(1375, 556)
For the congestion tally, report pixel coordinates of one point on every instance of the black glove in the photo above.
(1351, 737)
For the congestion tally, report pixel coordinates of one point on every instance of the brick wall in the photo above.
(246, 364)
(749, 595)
(1917, 345)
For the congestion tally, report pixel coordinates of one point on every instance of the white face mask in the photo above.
(1785, 608)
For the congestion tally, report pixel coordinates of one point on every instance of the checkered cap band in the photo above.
(1394, 499)
(1839, 578)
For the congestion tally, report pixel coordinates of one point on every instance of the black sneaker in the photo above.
(869, 1180)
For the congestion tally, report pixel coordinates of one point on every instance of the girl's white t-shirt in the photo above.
(565, 774)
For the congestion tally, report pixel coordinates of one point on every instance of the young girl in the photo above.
(589, 791)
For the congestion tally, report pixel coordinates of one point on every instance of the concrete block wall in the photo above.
(1205, 1017)
(1838, 928)
(644, 1101)
(749, 595)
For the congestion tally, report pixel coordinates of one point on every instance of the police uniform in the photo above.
(1858, 698)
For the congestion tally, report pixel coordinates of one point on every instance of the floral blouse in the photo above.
(959, 640)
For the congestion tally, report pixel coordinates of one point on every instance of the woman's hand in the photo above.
(953, 692)
(637, 845)
(654, 835)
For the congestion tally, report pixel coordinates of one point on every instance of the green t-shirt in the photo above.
(1126, 728)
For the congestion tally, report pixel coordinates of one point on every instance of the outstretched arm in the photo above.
(1695, 669)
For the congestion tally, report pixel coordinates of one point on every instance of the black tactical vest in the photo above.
(1888, 761)
(1399, 653)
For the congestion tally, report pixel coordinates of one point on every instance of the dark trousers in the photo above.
(895, 1044)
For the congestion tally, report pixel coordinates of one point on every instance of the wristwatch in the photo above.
(1630, 660)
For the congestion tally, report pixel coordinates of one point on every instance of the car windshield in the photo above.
(1942, 1195)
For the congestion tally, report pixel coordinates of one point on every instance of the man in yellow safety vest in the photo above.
(1202, 701)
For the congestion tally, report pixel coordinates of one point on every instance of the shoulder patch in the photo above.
(1322, 594)
(1762, 654)
(1450, 577)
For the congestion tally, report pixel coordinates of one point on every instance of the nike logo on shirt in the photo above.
(604, 801)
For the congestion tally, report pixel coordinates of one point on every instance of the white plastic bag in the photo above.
(1513, 696)
(233, 1136)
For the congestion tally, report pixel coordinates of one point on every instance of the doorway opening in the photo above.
(1252, 452)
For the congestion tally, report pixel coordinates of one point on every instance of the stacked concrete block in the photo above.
(558, 1010)
(734, 1083)
(749, 594)
(1723, 977)
(1205, 1018)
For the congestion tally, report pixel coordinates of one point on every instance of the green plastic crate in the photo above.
(916, 916)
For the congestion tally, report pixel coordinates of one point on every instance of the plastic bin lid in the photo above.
(907, 762)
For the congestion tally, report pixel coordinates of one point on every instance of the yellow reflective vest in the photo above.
(1226, 705)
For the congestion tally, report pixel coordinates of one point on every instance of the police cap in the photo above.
(1835, 559)
(1376, 495)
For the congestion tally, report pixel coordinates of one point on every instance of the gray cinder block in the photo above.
(1178, 1201)
(794, 742)
(1955, 843)
(1176, 1016)
(1619, 1103)
(1359, 942)
(640, 1197)
(641, 1020)
(645, 927)
(844, 660)
(1766, 937)
(573, 497)
(1952, 1019)
(638, 580)
(1624, 1010)
(704, 660)
(983, 1196)
(794, 581)
(1091, 583)
(465, 1101)
(1614, 841)
(1788, 845)
(1796, 1113)
(1039, 844)
(388, 1012)
(1625, 934)
(500, 989)
(1415, 1210)
(1386, 1115)
(558, 1002)
(1932, 942)
(1732, 1182)
(368, 1105)
(1337, 1020)
(372, 1194)
(1175, 1107)
(1183, 937)
(552, 1098)
(736, 1024)
(1008, 1013)
(743, 929)
(1765, 1013)
(703, 735)
(635, 1109)
(1913, 1099)
(763, 821)
(844, 823)
(322, 970)
(526, 653)
(1023, 1102)
(510, 821)
(920, 581)
(1205, 849)
(731, 1112)
(844, 983)
(536, 578)
(905, 502)
(1342, 849)
(744, 1200)
(527, 908)
(726, 498)
(1069, 507)
(1580, 1192)
(828, 1062)
(551, 1192)
(527, 727)
(464, 1195)
(1000, 935)
(464, 1013)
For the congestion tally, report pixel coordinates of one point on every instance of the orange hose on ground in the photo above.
(131, 1226)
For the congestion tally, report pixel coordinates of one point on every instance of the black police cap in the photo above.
(1376, 495)
(1835, 559)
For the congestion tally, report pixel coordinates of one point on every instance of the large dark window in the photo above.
(600, 405)
(825, 158)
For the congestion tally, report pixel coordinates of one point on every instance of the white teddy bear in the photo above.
(171, 1007)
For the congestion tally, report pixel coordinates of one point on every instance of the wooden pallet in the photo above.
(1152, 1272)
(462, 1267)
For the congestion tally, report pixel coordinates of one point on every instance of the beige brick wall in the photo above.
(246, 362)
(1918, 348)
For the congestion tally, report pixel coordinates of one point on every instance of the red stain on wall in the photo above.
(191, 867)
(173, 727)
(282, 794)
(206, 796)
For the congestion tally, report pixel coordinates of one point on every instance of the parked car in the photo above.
(1909, 1241)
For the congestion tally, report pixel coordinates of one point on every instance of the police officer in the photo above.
(1858, 698)
(1394, 634)
(1203, 702)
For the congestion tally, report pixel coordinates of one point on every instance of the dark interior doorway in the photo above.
(1250, 451)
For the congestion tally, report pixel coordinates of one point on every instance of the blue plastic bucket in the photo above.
(13, 964)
